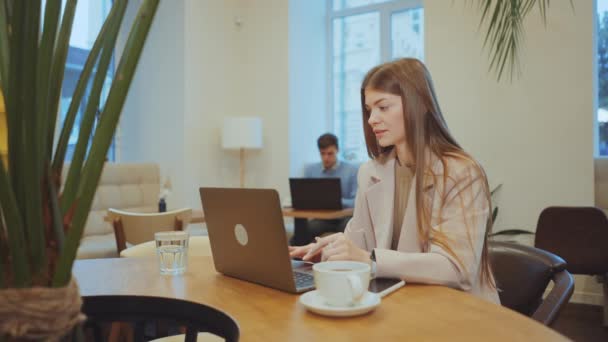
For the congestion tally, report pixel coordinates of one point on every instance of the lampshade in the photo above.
(242, 132)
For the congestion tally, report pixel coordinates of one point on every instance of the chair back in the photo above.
(136, 228)
(522, 274)
(577, 234)
(141, 311)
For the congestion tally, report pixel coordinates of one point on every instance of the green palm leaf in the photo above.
(505, 31)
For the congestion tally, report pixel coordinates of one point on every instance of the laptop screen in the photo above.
(316, 193)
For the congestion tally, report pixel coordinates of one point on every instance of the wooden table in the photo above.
(415, 312)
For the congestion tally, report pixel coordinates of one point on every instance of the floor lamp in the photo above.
(240, 133)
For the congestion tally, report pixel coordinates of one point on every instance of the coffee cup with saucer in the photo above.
(341, 289)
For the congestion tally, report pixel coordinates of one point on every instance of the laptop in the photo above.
(316, 193)
(248, 239)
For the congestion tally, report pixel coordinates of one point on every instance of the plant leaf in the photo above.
(45, 57)
(4, 47)
(103, 136)
(58, 68)
(32, 168)
(26, 167)
(56, 217)
(505, 31)
(108, 39)
(14, 232)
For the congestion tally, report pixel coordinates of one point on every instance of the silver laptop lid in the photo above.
(247, 235)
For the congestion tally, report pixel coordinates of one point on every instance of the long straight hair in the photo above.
(426, 131)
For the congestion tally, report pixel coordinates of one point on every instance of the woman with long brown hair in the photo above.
(422, 210)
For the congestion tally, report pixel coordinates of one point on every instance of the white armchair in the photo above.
(132, 187)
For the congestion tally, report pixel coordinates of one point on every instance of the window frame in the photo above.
(385, 10)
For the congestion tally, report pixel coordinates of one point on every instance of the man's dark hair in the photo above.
(327, 140)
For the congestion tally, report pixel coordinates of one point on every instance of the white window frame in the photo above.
(385, 10)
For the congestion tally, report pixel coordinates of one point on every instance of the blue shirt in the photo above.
(347, 174)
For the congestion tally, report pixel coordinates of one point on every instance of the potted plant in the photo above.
(41, 220)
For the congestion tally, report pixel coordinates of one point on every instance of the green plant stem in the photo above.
(58, 69)
(68, 123)
(4, 47)
(14, 232)
(45, 57)
(108, 38)
(32, 165)
(3, 252)
(103, 136)
(56, 216)
(21, 116)
(15, 122)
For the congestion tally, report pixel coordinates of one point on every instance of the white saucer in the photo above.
(313, 302)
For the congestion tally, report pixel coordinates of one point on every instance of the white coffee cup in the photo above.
(341, 283)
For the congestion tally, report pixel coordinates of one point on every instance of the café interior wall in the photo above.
(533, 134)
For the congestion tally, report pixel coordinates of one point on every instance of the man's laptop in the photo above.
(248, 239)
(316, 193)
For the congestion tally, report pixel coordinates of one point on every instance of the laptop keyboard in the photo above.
(303, 280)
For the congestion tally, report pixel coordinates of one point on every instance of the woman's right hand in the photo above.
(300, 251)
(305, 251)
(313, 251)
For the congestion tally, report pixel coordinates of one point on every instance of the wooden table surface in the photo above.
(414, 313)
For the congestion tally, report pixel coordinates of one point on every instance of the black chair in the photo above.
(522, 274)
(141, 311)
(580, 236)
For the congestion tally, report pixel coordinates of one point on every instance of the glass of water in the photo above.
(172, 251)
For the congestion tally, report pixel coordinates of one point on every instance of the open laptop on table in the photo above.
(316, 193)
(248, 240)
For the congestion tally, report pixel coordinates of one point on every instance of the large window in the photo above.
(364, 33)
(602, 67)
(88, 19)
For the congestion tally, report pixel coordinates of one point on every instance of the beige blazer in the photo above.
(455, 205)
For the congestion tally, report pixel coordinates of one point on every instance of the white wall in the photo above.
(265, 89)
(198, 67)
(213, 60)
(308, 91)
(534, 135)
(152, 122)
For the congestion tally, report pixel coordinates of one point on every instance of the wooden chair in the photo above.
(135, 228)
(140, 312)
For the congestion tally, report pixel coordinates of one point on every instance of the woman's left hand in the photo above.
(340, 247)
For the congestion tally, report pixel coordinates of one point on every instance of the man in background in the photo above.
(331, 167)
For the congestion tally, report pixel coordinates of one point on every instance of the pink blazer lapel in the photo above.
(380, 202)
